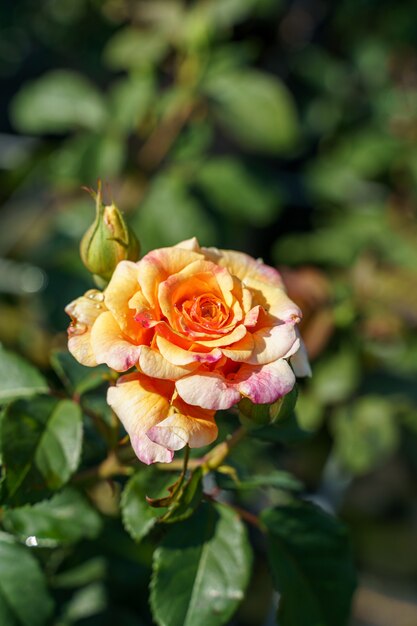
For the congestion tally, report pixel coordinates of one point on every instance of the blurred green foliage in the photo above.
(285, 129)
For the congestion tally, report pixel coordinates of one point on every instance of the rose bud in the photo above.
(107, 242)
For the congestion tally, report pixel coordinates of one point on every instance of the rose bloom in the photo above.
(202, 328)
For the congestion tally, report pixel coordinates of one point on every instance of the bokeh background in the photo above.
(283, 128)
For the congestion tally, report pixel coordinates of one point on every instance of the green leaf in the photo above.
(365, 433)
(58, 102)
(276, 479)
(169, 214)
(18, 377)
(93, 570)
(65, 519)
(24, 599)
(201, 569)
(76, 377)
(41, 445)
(130, 99)
(238, 193)
(312, 565)
(336, 378)
(86, 157)
(256, 108)
(137, 514)
(130, 48)
(188, 500)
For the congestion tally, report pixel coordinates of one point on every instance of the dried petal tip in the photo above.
(108, 241)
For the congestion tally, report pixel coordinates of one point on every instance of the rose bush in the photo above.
(203, 328)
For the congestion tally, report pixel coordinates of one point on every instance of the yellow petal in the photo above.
(158, 265)
(84, 311)
(178, 356)
(111, 346)
(121, 288)
(140, 404)
(153, 364)
(185, 425)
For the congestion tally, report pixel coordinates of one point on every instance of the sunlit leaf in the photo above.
(365, 433)
(18, 378)
(256, 109)
(130, 99)
(235, 191)
(65, 518)
(169, 214)
(133, 48)
(57, 102)
(201, 569)
(137, 514)
(41, 445)
(24, 599)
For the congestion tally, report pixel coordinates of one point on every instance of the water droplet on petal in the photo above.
(93, 294)
(77, 328)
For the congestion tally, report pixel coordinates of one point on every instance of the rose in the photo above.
(203, 328)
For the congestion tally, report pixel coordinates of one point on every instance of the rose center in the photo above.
(206, 310)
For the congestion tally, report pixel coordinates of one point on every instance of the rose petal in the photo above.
(189, 244)
(110, 346)
(140, 404)
(84, 311)
(235, 335)
(299, 361)
(241, 350)
(266, 383)
(187, 425)
(178, 356)
(153, 364)
(209, 391)
(158, 265)
(263, 280)
(273, 339)
(121, 288)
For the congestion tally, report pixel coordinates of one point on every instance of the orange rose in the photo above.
(202, 327)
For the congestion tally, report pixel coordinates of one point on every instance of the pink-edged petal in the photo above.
(178, 356)
(265, 383)
(110, 346)
(299, 362)
(245, 267)
(187, 425)
(143, 314)
(273, 340)
(189, 244)
(241, 350)
(150, 452)
(140, 404)
(153, 364)
(84, 311)
(264, 281)
(208, 391)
